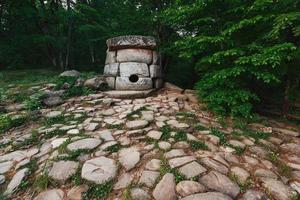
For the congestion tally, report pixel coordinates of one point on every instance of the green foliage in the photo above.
(7, 122)
(236, 66)
(34, 102)
(166, 132)
(198, 145)
(180, 136)
(165, 168)
(98, 191)
(220, 135)
(41, 182)
(138, 112)
(114, 148)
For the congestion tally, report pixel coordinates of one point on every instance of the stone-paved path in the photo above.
(162, 147)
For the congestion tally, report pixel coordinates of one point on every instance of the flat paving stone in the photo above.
(208, 196)
(54, 194)
(129, 158)
(221, 183)
(88, 143)
(218, 166)
(137, 124)
(174, 153)
(192, 169)
(165, 189)
(186, 188)
(178, 162)
(149, 178)
(62, 170)
(278, 189)
(99, 170)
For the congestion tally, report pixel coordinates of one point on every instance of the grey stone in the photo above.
(241, 174)
(291, 147)
(177, 162)
(2, 179)
(129, 158)
(164, 145)
(62, 170)
(96, 83)
(99, 170)
(123, 181)
(111, 69)
(174, 153)
(278, 189)
(215, 165)
(55, 194)
(186, 188)
(265, 173)
(131, 41)
(286, 132)
(123, 83)
(153, 165)
(53, 114)
(139, 194)
(254, 195)
(53, 101)
(106, 135)
(192, 169)
(156, 58)
(88, 143)
(76, 192)
(134, 55)
(129, 68)
(221, 183)
(111, 82)
(91, 126)
(111, 57)
(237, 143)
(149, 178)
(137, 124)
(208, 196)
(165, 189)
(16, 181)
(6, 166)
(155, 71)
(70, 73)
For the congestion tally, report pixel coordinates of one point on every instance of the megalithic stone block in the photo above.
(155, 71)
(133, 41)
(130, 68)
(123, 83)
(111, 69)
(135, 55)
(111, 57)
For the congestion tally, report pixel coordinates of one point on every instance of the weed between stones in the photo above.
(98, 191)
(138, 112)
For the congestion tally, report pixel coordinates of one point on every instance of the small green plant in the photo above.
(199, 127)
(220, 135)
(130, 116)
(3, 197)
(77, 91)
(34, 102)
(166, 132)
(180, 136)
(63, 147)
(41, 182)
(115, 126)
(57, 132)
(126, 194)
(198, 145)
(114, 148)
(62, 80)
(165, 168)
(98, 191)
(7, 122)
(238, 150)
(76, 178)
(73, 155)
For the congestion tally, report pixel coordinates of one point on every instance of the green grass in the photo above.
(73, 155)
(76, 178)
(220, 135)
(114, 148)
(54, 133)
(115, 126)
(7, 122)
(180, 136)
(34, 102)
(198, 145)
(130, 116)
(41, 182)
(98, 191)
(166, 132)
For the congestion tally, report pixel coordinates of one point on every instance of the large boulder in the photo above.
(70, 73)
(96, 83)
(132, 41)
(130, 68)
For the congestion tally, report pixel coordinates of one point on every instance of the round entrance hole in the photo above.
(133, 78)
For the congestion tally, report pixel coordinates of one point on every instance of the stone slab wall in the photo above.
(132, 63)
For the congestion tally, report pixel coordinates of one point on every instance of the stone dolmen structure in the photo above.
(133, 64)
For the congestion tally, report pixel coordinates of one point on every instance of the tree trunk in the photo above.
(285, 106)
